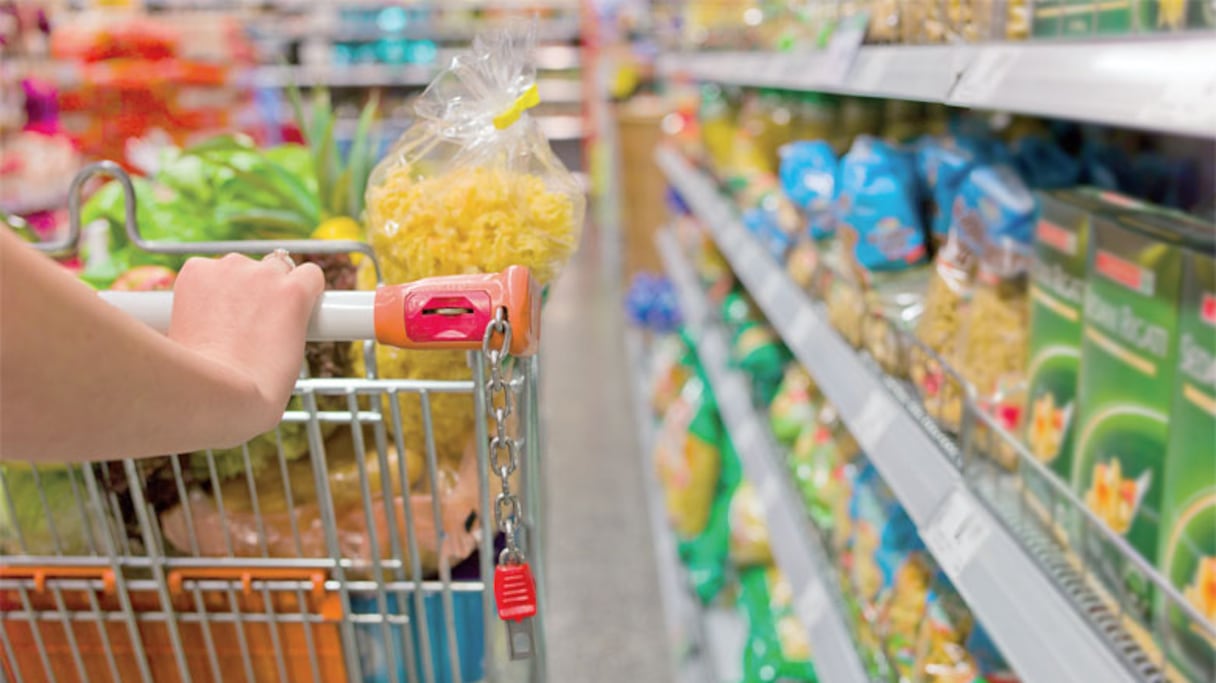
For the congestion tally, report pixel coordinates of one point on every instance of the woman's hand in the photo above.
(81, 380)
(248, 316)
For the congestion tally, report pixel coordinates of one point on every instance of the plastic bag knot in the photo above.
(530, 98)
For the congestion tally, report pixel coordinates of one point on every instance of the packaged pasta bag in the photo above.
(705, 555)
(808, 177)
(941, 647)
(687, 459)
(777, 647)
(930, 363)
(793, 408)
(472, 186)
(994, 342)
(758, 351)
(992, 217)
(749, 541)
(880, 242)
(671, 365)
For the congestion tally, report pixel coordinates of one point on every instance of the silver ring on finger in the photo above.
(283, 257)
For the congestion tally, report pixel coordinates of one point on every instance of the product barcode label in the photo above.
(985, 75)
(811, 604)
(872, 421)
(805, 322)
(956, 531)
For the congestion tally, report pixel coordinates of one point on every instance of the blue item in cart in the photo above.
(1044, 165)
(994, 208)
(763, 225)
(808, 177)
(378, 658)
(877, 203)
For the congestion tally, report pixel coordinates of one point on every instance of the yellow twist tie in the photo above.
(530, 98)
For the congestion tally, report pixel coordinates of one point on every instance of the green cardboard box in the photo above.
(1187, 555)
(1057, 297)
(1083, 18)
(1126, 390)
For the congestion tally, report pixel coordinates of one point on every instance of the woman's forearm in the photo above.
(80, 380)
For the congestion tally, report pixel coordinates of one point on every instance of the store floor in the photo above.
(604, 611)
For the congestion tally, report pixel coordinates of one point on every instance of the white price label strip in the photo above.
(985, 75)
(956, 531)
(804, 325)
(870, 71)
(811, 604)
(1185, 104)
(873, 420)
(749, 433)
(772, 285)
(769, 490)
(796, 68)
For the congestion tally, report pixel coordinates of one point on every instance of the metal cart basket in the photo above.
(329, 550)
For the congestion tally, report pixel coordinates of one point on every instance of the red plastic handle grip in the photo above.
(452, 312)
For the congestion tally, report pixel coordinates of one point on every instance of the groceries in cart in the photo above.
(414, 397)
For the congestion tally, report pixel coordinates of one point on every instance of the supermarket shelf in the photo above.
(792, 538)
(707, 636)
(1164, 83)
(552, 90)
(1042, 635)
(547, 31)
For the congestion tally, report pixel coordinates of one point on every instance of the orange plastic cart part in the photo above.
(452, 312)
(91, 634)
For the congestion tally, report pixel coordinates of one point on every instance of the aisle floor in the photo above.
(605, 620)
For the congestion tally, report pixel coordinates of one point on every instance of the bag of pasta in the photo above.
(687, 457)
(472, 186)
(992, 213)
(993, 344)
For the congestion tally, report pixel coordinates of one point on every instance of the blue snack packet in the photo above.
(942, 165)
(1044, 165)
(763, 224)
(994, 210)
(808, 177)
(877, 206)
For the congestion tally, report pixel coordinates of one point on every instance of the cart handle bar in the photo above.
(445, 312)
(131, 226)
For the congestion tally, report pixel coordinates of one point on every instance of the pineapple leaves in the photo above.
(326, 161)
(341, 190)
(341, 182)
(359, 160)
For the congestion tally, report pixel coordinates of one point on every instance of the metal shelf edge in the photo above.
(1163, 83)
(791, 537)
(1040, 633)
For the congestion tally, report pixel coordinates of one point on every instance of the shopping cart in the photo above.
(320, 574)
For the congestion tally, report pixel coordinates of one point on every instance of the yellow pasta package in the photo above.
(471, 187)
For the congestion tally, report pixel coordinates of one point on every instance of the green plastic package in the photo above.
(778, 647)
(758, 351)
(705, 556)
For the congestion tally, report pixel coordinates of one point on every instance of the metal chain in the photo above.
(508, 510)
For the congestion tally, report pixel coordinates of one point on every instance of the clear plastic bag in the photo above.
(471, 187)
